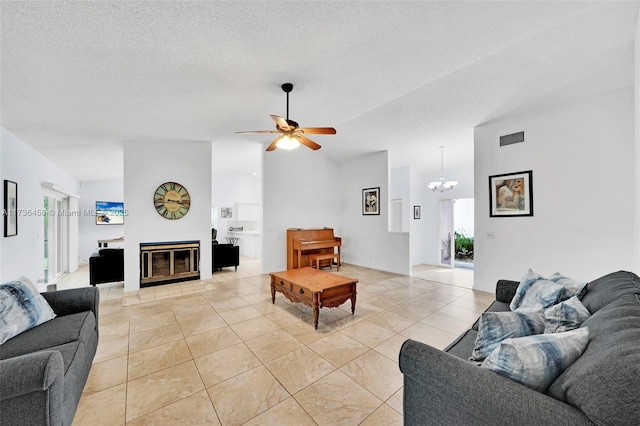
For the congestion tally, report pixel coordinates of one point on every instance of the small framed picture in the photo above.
(10, 208)
(511, 194)
(226, 212)
(371, 201)
(416, 212)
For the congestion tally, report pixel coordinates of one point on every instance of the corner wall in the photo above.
(583, 185)
(147, 165)
(366, 239)
(301, 189)
(23, 254)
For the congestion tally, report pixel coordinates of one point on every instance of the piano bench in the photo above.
(316, 258)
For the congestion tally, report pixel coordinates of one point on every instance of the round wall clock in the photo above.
(172, 200)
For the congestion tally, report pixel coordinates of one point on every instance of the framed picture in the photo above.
(226, 212)
(371, 201)
(416, 212)
(511, 194)
(10, 208)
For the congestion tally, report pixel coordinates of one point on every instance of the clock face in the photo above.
(172, 200)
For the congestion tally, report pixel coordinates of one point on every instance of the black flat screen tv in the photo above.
(109, 213)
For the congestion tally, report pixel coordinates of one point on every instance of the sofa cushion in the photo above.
(536, 291)
(21, 308)
(604, 382)
(59, 331)
(536, 361)
(565, 316)
(463, 345)
(495, 327)
(610, 288)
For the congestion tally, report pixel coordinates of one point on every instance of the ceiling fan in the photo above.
(292, 134)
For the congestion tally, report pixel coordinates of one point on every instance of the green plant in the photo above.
(463, 246)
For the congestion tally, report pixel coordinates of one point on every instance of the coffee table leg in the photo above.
(316, 310)
(273, 294)
(353, 300)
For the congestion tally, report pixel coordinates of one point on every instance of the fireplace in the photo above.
(167, 262)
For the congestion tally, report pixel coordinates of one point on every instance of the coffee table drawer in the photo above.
(283, 284)
(301, 292)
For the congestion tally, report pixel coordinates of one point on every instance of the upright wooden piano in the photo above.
(302, 243)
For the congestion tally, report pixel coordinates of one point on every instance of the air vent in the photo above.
(512, 138)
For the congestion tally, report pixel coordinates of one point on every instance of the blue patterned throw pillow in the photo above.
(494, 327)
(535, 291)
(565, 316)
(536, 361)
(21, 308)
(578, 288)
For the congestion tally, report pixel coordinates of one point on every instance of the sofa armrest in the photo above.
(67, 302)
(442, 389)
(505, 290)
(32, 388)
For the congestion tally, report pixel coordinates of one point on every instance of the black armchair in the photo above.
(107, 266)
(224, 255)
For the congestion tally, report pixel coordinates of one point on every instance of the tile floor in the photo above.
(459, 277)
(219, 352)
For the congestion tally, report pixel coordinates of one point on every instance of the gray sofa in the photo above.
(602, 387)
(43, 370)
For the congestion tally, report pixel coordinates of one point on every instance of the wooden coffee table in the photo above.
(317, 289)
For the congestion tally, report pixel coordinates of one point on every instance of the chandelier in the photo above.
(442, 186)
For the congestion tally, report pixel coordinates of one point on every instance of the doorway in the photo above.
(56, 238)
(456, 233)
(463, 218)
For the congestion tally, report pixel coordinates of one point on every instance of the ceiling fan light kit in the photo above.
(292, 134)
(442, 186)
(287, 142)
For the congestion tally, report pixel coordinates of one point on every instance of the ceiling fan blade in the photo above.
(307, 142)
(318, 130)
(281, 122)
(272, 145)
(258, 131)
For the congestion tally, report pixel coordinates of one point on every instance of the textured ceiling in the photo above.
(79, 78)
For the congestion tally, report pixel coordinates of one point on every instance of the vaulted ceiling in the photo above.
(79, 78)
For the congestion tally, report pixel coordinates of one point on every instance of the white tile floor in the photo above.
(220, 352)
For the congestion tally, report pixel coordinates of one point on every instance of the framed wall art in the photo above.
(226, 212)
(511, 194)
(416, 212)
(371, 201)
(10, 208)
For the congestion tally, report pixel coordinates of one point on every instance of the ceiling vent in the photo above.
(512, 138)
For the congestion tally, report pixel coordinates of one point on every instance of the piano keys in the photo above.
(302, 243)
